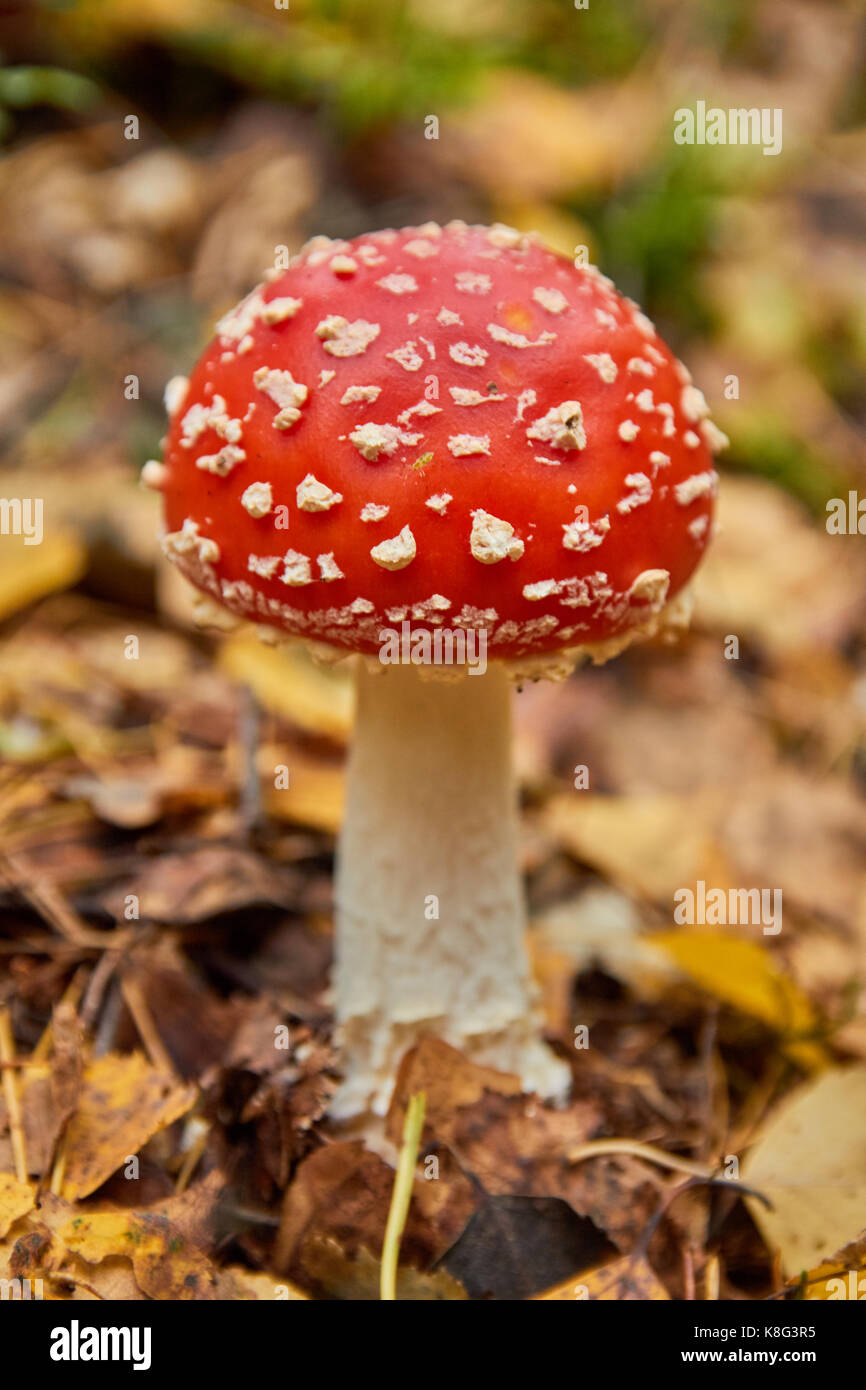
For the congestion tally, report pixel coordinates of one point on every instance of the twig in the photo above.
(10, 1093)
(59, 1277)
(46, 899)
(401, 1195)
(112, 1009)
(249, 738)
(71, 995)
(596, 1147)
(58, 1171)
(96, 987)
(133, 998)
(688, 1274)
(192, 1156)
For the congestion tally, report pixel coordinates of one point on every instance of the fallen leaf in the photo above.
(513, 1247)
(774, 577)
(449, 1082)
(650, 844)
(209, 879)
(66, 1071)
(286, 681)
(165, 1264)
(810, 1162)
(339, 1188)
(843, 1276)
(38, 1118)
(124, 1102)
(29, 572)
(314, 796)
(743, 974)
(264, 1287)
(357, 1279)
(16, 1199)
(622, 1280)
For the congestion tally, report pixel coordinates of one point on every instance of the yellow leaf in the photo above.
(124, 1101)
(16, 1199)
(314, 796)
(810, 1161)
(287, 681)
(262, 1286)
(743, 974)
(165, 1264)
(843, 1278)
(624, 1280)
(356, 1279)
(29, 572)
(650, 844)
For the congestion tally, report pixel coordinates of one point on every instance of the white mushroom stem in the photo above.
(430, 911)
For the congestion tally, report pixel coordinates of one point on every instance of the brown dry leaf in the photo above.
(66, 1066)
(357, 1279)
(772, 576)
(622, 1280)
(649, 844)
(342, 1194)
(29, 572)
(803, 835)
(66, 1070)
(449, 1081)
(743, 974)
(338, 1190)
(77, 1281)
(515, 1246)
(264, 1287)
(32, 1252)
(194, 1214)
(38, 1119)
(316, 792)
(16, 1200)
(786, 830)
(514, 1145)
(182, 888)
(810, 1161)
(124, 1102)
(317, 699)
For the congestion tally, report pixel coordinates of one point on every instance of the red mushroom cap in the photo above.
(454, 426)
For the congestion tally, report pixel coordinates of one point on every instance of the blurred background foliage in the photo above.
(260, 125)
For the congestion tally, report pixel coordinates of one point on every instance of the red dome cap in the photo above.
(453, 426)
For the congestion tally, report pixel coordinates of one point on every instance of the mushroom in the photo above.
(447, 434)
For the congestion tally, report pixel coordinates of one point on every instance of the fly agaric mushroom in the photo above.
(459, 430)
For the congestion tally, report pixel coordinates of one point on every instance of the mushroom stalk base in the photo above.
(430, 912)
